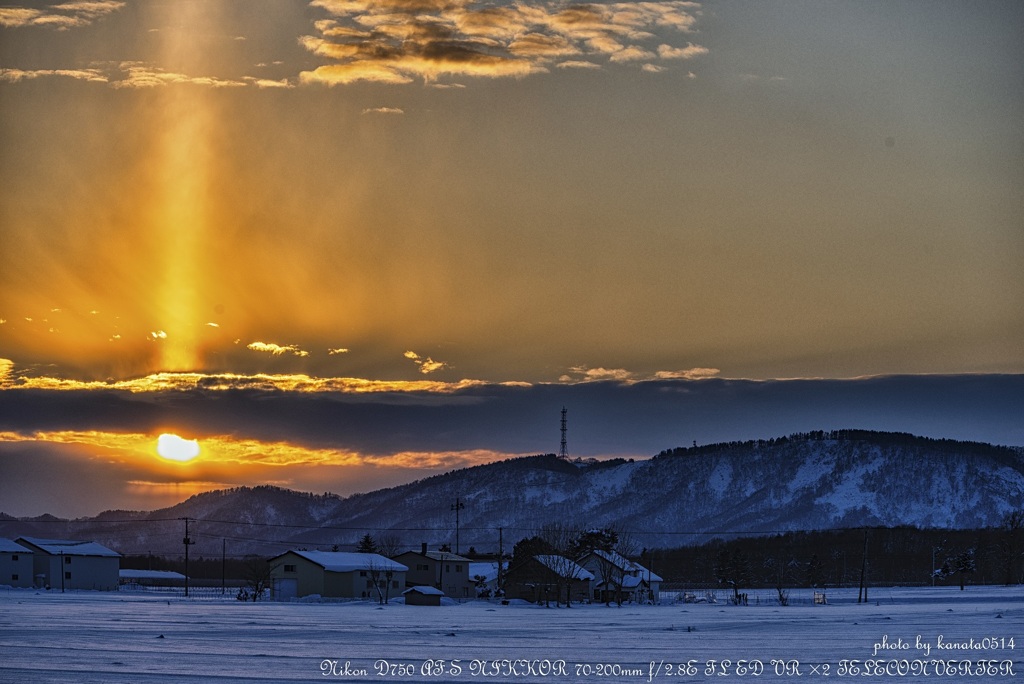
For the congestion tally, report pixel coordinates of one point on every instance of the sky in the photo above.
(400, 216)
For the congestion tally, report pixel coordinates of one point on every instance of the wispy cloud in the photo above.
(16, 75)
(61, 17)
(6, 371)
(690, 374)
(427, 365)
(383, 110)
(139, 75)
(276, 349)
(401, 41)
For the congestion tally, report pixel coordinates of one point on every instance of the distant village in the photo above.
(418, 576)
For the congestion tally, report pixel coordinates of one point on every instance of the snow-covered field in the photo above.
(144, 637)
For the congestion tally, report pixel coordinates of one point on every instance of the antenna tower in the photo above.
(563, 451)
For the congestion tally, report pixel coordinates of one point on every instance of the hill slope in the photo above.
(802, 482)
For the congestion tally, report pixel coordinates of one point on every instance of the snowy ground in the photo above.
(146, 638)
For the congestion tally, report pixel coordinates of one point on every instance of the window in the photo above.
(394, 585)
(447, 567)
(14, 578)
(458, 568)
(14, 557)
(67, 575)
(289, 568)
(67, 560)
(362, 573)
(422, 567)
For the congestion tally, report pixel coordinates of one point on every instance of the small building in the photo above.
(442, 570)
(617, 578)
(16, 568)
(547, 578)
(68, 564)
(423, 596)
(335, 574)
(151, 578)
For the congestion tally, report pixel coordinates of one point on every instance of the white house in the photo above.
(618, 577)
(338, 574)
(15, 564)
(67, 564)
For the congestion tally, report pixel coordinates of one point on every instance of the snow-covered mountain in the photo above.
(803, 482)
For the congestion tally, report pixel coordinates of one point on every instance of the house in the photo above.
(15, 564)
(337, 574)
(549, 578)
(618, 578)
(67, 564)
(484, 576)
(423, 596)
(442, 570)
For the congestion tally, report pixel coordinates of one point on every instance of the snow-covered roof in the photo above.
(426, 591)
(624, 563)
(629, 582)
(8, 546)
(439, 556)
(151, 574)
(564, 567)
(347, 561)
(489, 571)
(69, 547)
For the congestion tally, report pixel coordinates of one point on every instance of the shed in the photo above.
(423, 596)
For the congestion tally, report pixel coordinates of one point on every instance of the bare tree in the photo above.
(259, 575)
(563, 541)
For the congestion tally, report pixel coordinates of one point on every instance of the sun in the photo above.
(175, 448)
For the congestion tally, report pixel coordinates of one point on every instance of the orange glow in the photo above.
(175, 448)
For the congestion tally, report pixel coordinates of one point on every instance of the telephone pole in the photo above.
(457, 506)
(187, 541)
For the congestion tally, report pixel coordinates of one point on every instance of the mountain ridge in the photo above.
(807, 481)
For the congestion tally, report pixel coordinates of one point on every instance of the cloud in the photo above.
(688, 52)
(16, 75)
(691, 374)
(276, 349)
(268, 83)
(61, 17)
(577, 64)
(401, 41)
(384, 110)
(6, 370)
(139, 75)
(427, 365)
(600, 374)
(339, 350)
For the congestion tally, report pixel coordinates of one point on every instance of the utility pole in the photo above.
(499, 583)
(223, 565)
(187, 541)
(863, 572)
(457, 506)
